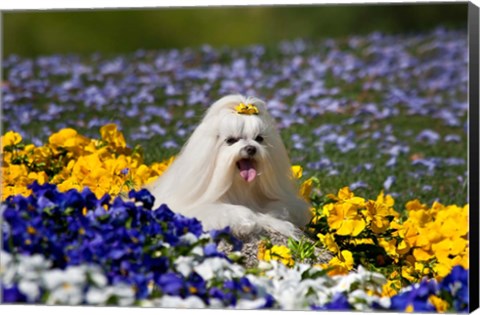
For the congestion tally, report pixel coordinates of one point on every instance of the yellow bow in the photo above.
(248, 109)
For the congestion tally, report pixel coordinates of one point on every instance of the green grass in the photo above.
(446, 187)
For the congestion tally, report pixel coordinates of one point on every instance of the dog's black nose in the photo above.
(251, 150)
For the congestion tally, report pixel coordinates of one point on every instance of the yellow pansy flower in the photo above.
(376, 217)
(345, 219)
(419, 217)
(11, 138)
(448, 247)
(345, 193)
(111, 135)
(453, 228)
(422, 255)
(306, 188)
(276, 252)
(362, 241)
(69, 139)
(329, 241)
(342, 263)
(14, 173)
(326, 209)
(403, 248)
(15, 190)
(415, 205)
(391, 288)
(297, 171)
(421, 268)
(409, 308)
(40, 177)
(408, 272)
(89, 162)
(59, 138)
(390, 247)
(440, 305)
(70, 183)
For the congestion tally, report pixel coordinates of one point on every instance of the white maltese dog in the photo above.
(234, 171)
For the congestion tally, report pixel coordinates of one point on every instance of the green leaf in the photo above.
(128, 224)
(9, 148)
(69, 211)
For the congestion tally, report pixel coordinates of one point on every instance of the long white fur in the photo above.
(204, 181)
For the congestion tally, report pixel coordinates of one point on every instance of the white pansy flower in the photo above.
(197, 250)
(5, 260)
(362, 301)
(363, 278)
(385, 302)
(218, 267)
(8, 269)
(124, 293)
(177, 302)
(31, 267)
(25, 271)
(66, 294)
(65, 286)
(97, 296)
(188, 238)
(264, 265)
(244, 304)
(146, 303)
(31, 289)
(184, 265)
(204, 236)
(215, 303)
(96, 275)
(344, 282)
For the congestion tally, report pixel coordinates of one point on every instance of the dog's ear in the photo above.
(189, 179)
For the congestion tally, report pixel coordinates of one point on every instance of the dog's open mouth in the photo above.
(247, 169)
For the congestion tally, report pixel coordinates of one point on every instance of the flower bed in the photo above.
(77, 234)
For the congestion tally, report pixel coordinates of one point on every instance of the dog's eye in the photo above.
(259, 139)
(231, 140)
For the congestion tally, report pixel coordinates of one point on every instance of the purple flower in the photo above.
(170, 144)
(391, 162)
(452, 138)
(454, 161)
(428, 135)
(359, 184)
(389, 182)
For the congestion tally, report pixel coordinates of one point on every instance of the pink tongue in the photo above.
(247, 170)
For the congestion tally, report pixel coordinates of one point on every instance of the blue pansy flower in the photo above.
(13, 295)
(417, 298)
(144, 196)
(225, 234)
(456, 284)
(170, 283)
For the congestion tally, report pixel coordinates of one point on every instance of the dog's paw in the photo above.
(272, 224)
(243, 222)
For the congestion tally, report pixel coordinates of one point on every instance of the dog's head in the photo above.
(247, 142)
